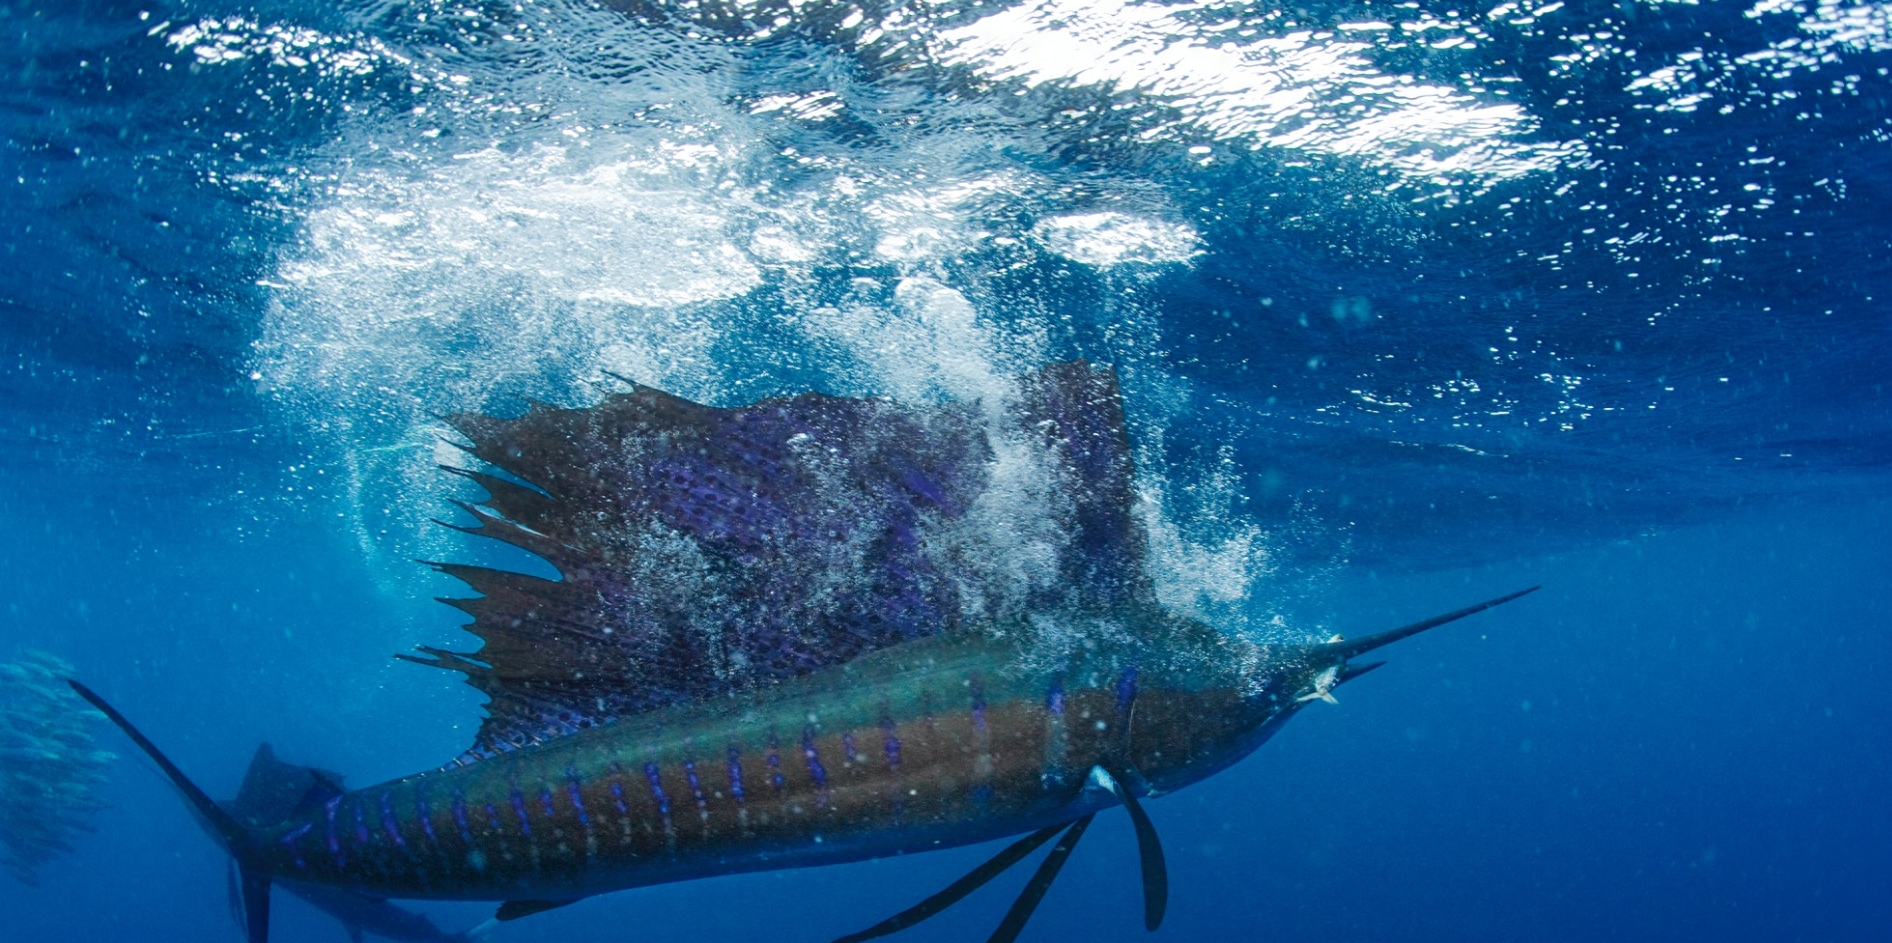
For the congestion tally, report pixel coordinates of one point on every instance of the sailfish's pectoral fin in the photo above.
(514, 909)
(957, 891)
(1323, 689)
(1149, 848)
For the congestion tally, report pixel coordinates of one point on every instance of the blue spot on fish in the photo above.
(735, 774)
(578, 800)
(815, 768)
(334, 839)
(426, 818)
(519, 809)
(657, 789)
(289, 842)
(1127, 688)
(696, 787)
(459, 816)
(1054, 699)
(388, 825)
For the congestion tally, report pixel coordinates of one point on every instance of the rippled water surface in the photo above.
(1413, 303)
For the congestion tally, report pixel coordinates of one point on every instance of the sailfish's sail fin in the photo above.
(704, 550)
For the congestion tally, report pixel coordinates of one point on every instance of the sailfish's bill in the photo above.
(1352, 648)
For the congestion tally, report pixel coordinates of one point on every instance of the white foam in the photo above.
(498, 268)
(1300, 89)
(1107, 239)
(1206, 558)
(423, 286)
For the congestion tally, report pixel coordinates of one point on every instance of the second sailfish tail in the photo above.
(253, 879)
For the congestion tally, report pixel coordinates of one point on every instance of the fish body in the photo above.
(800, 632)
(272, 792)
(935, 743)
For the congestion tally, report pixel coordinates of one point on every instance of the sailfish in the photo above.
(804, 631)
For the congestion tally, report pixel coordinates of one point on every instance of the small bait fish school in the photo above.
(785, 635)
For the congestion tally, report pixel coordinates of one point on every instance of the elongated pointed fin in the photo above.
(255, 883)
(957, 891)
(705, 550)
(234, 887)
(227, 830)
(514, 909)
(1027, 902)
(273, 791)
(1149, 850)
(1360, 646)
(1351, 672)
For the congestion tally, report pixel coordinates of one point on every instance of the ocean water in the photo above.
(1413, 304)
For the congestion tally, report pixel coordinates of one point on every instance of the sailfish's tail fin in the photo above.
(252, 878)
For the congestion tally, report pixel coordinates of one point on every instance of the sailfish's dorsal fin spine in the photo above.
(822, 528)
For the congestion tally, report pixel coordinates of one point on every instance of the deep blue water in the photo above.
(1414, 304)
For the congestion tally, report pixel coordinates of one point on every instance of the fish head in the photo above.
(1192, 723)
(1219, 697)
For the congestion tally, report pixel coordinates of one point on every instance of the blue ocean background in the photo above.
(1414, 304)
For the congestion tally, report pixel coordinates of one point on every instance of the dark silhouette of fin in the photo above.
(823, 528)
(252, 881)
(255, 883)
(227, 830)
(1027, 902)
(274, 791)
(957, 891)
(321, 790)
(514, 909)
(1149, 850)
(1360, 646)
(371, 915)
(234, 887)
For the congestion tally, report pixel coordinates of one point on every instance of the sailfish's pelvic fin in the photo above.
(252, 879)
(1350, 648)
(1149, 849)
(958, 890)
(1027, 902)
